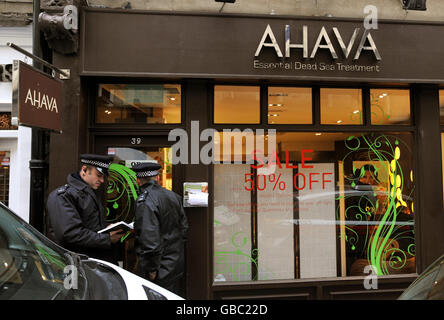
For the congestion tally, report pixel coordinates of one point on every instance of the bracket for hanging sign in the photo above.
(67, 72)
(64, 73)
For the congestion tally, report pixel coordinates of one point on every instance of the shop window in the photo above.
(5, 121)
(4, 177)
(139, 104)
(234, 146)
(288, 105)
(390, 106)
(341, 106)
(442, 158)
(441, 106)
(336, 204)
(236, 104)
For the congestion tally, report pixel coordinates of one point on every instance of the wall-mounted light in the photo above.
(414, 5)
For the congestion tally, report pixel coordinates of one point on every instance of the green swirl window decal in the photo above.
(379, 114)
(355, 210)
(240, 253)
(390, 106)
(379, 220)
(121, 194)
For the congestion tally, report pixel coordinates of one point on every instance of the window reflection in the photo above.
(441, 106)
(32, 267)
(287, 105)
(390, 106)
(5, 159)
(341, 106)
(139, 103)
(236, 104)
(442, 158)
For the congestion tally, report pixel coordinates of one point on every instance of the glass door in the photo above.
(121, 190)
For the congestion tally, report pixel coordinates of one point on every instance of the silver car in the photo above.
(429, 285)
(32, 267)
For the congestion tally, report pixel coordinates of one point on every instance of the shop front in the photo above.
(317, 137)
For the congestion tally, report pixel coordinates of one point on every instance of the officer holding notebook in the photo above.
(76, 215)
(160, 229)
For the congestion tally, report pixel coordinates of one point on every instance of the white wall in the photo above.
(18, 142)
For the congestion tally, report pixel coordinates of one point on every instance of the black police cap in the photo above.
(146, 169)
(101, 163)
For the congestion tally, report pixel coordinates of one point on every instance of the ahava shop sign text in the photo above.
(37, 98)
(345, 59)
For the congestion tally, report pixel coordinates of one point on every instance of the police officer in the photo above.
(160, 229)
(75, 213)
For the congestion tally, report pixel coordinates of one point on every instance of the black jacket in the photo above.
(160, 232)
(75, 215)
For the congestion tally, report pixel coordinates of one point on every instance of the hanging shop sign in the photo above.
(36, 98)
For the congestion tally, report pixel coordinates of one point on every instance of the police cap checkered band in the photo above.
(102, 163)
(96, 163)
(145, 174)
(146, 169)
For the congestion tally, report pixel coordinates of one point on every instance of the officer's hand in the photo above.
(116, 235)
(152, 275)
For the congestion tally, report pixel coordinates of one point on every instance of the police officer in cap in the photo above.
(76, 214)
(160, 228)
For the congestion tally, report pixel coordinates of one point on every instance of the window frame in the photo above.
(316, 110)
(316, 126)
(92, 96)
(412, 117)
(212, 105)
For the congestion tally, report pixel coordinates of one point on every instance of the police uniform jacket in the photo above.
(160, 232)
(75, 215)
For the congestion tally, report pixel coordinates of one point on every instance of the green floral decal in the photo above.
(121, 193)
(387, 241)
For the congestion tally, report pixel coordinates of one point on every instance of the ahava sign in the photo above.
(359, 42)
(37, 98)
